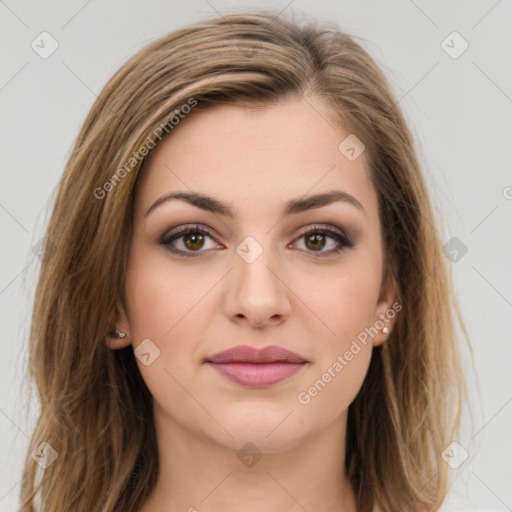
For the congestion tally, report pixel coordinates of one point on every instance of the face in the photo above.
(307, 280)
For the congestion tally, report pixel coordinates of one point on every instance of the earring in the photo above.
(385, 330)
(120, 334)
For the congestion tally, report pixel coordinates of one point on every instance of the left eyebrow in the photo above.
(292, 207)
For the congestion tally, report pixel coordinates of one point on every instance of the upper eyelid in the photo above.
(199, 227)
(180, 231)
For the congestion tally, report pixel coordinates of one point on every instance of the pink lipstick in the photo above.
(257, 367)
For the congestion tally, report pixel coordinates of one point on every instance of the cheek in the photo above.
(166, 306)
(346, 308)
(343, 352)
(343, 303)
(160, 297)
(162, 307)
(329, 394)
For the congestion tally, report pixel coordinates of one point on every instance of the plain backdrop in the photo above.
(454, 88)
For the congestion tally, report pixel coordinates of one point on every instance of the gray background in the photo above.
(459, 108)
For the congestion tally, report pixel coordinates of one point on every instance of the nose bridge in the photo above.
(254, 263)
(256, 290)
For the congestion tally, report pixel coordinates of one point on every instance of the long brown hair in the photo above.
(96, 410)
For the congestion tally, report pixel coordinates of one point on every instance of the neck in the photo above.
(196, 474)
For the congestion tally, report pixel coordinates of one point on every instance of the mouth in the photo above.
(251, 367)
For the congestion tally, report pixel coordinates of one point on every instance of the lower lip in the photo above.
(257, 374)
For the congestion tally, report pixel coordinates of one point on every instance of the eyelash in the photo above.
(343, 241)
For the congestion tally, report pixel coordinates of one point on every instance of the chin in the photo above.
(247, 439)
(269, 431)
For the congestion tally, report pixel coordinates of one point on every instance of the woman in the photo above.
(248, 305)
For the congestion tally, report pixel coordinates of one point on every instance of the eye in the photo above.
(316, 237)
(193, 239)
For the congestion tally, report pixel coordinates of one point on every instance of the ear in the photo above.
(386, 311)
(120, 322)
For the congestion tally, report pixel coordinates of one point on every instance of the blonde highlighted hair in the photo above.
(96, 410)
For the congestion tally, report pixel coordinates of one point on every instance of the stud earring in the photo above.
(120, 334)
(385, 330)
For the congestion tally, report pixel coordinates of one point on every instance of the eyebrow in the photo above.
(292, 207)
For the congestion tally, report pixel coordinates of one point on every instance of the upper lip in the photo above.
(248, 354)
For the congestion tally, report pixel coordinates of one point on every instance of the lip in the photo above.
(257, 367)
(248, 354)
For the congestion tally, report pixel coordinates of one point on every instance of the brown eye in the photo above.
(315, 241)
(194, 241)
(191, 238)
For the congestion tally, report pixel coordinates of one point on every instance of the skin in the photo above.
(192, 308)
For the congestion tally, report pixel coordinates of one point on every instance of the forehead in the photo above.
(255, 157)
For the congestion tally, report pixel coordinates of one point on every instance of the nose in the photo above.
(257, 291)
